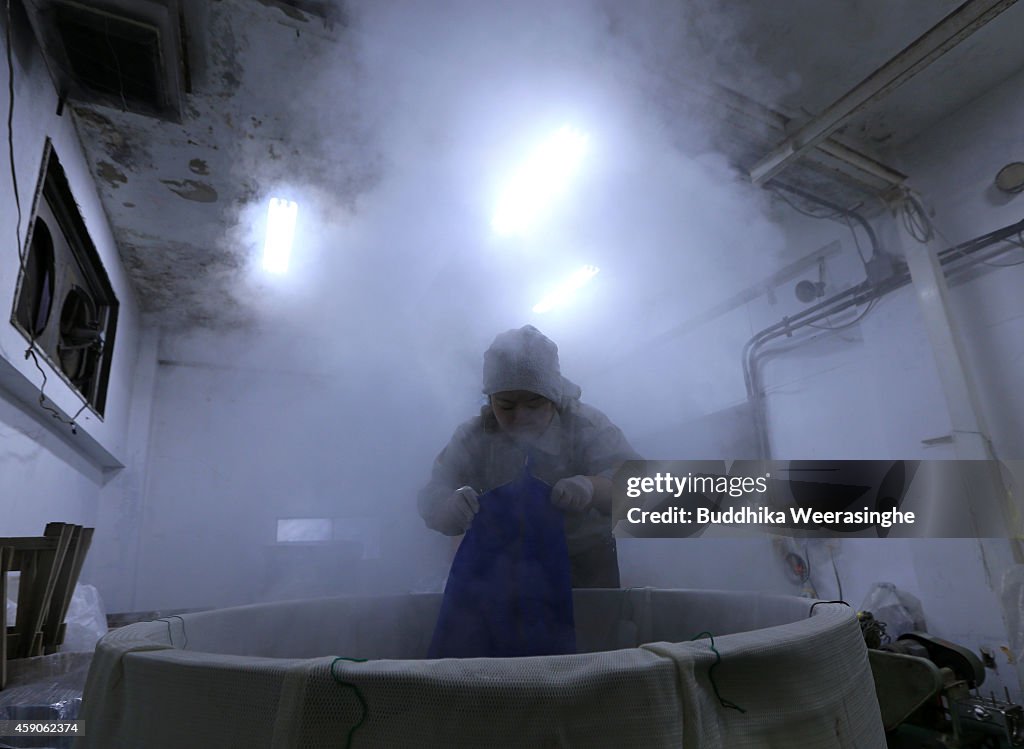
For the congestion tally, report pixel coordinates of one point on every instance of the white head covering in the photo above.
(526, 359)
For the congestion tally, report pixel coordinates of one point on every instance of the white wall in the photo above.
(114, 557)
(882, 388)
(873, 391)
(47, 473)
(954, 167)
(245, 432)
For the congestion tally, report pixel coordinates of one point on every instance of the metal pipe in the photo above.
(842, 157)
(852, 297)
(872, 237)
(866, 164)
(859, 296)
(942, 37)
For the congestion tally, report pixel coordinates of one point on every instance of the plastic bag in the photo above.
(898, 610)
(47, 687)
(86, 621)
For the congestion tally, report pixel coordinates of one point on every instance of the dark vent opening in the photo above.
(112, 56)
(64, 304)
(36, 298)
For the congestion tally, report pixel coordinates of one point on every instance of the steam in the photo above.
(399, 134)
(447, 101)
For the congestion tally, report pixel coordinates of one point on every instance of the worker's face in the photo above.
(522, 413)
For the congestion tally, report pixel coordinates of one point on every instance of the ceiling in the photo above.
(383, 116)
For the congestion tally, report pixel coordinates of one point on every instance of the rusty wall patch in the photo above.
(110, 174)
(190, 189)
(117, 140)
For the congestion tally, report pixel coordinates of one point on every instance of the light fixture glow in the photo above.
(565, 291)
(539, 181)
(280, 231)
(297, 530)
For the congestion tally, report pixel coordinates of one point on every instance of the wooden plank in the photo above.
(46, 587)
(27, 562)
(53, 627)
(53, 616)
(29, 543)
(6, 563)
(40, 566)
(50, 566)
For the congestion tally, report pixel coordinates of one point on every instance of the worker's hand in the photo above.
(573, 494)
(460, 508)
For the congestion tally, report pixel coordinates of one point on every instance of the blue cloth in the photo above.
(509, 591)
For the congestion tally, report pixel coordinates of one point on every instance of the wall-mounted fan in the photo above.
(64, 304)
(80, 340)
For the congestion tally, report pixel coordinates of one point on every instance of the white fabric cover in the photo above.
(260, 676)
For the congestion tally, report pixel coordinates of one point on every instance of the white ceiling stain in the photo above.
(190, 189)
(384, 91)
(171, 190)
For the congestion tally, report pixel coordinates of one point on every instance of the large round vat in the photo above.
(782, 672)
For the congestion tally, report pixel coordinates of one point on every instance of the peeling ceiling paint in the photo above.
(110, 174)
(190, 189)
(262, 114)
(217, 161)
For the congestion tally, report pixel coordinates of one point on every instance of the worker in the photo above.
(534, 416)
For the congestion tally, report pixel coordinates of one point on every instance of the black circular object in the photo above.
(37, 284)
(1011, 177)
(80, 339)
(807, 291)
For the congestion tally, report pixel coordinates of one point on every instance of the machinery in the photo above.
(928, 691)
